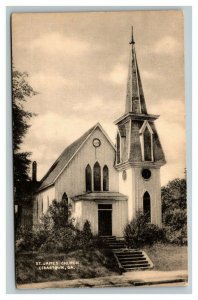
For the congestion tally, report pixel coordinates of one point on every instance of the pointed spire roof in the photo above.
(135, 101)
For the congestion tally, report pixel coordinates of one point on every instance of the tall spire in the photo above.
(135, 101)
(132, 39)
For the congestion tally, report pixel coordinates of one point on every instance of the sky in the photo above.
(78, 64)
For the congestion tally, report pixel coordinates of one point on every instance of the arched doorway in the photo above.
(147, 206)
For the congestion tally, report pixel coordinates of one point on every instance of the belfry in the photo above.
(139, 154)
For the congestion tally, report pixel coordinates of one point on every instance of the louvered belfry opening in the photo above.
(147, 145)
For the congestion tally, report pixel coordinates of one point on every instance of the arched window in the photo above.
(147, 206)
(64, 206)
(118, 148)
(147, 145)
(65, 199)
(97, 177)
(105, 178)
(88, 178)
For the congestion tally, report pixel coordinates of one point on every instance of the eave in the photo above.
(143, 164)
(134, 116)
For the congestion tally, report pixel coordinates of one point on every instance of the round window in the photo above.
(96, 143)
(146, 174)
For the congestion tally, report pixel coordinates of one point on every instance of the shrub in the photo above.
(24, 239)
(60, 214)
(87, 230)
(54, 234)
(139, 232)
(62, 240)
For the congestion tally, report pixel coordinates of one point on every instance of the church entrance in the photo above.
(105, 219)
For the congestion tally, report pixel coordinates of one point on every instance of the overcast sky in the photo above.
(79, 63)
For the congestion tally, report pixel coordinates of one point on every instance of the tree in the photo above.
(21, 91)
(60, 213)
(174, 210)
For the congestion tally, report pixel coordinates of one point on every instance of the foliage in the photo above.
(87, 230)
(56, 232)
(60, 214)
(139, 232)
(21, 91)
(174, 211)
(174, 195)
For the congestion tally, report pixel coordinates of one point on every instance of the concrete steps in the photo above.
(113, 243)
(127, 259)
(130, 260)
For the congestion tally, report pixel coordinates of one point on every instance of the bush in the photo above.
(24, 239)
(139, 232)
(56, 232)
(87, 230)
(69, 238)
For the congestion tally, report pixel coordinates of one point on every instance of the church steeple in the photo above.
(139, 153)
(135, 101)
(137, 138)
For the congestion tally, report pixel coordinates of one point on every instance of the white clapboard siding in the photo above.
(72, 179)
(135, 186)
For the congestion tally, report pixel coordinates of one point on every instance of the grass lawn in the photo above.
(166, 257)
(90, 263)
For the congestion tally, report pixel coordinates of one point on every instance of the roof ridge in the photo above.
(72, 148)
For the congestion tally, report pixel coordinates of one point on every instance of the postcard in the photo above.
(99, 149)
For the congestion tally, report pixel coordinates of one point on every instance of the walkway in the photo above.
(128, 279)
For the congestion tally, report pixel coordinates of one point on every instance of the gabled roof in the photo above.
(66, 156)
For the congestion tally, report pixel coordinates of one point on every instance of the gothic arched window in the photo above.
(97, 177)
(118, 148)
(65, 199)
(65, 206)
(147, 206)
(105, 178)
(88, 178)
(147, 145)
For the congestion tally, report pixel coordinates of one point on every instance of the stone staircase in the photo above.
(127, 259)
(113, 243)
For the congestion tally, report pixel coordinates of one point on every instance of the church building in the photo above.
(108, 184)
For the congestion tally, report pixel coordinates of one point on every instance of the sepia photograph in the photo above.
(99, 149)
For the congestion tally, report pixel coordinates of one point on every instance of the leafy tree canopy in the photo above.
(21, 91)
(174, 195)
(174, 210)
